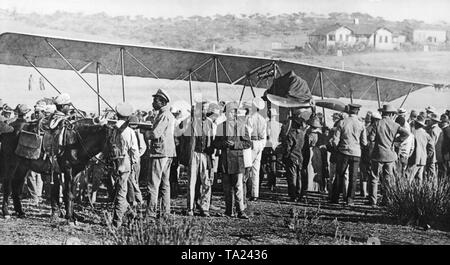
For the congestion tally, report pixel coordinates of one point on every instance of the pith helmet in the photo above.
(124, 109)
(62, 99)
(388, 109)
(259, 103)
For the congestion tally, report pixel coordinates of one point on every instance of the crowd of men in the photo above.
(228, 140)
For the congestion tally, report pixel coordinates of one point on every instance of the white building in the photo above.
(372, 35)
(429, 36)
(331, 35)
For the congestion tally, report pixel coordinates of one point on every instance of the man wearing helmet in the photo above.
(62, 103)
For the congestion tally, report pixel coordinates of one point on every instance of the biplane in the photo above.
(82, 56)
(229, 72)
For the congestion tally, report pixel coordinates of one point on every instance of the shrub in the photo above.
(418, 204)
(306, 227)
(163, 231)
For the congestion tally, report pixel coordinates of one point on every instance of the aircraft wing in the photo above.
(175, 64)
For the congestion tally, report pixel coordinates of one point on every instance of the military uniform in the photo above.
(162, 150)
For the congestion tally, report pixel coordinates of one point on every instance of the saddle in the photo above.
(42, 138)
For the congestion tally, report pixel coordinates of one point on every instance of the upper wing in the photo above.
(176, 64)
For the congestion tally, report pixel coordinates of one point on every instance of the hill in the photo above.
(243, 34)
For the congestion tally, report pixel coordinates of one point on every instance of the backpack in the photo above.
(114, 147)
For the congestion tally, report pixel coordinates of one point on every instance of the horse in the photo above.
(84, 139)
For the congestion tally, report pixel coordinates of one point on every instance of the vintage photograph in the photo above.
(227, 122)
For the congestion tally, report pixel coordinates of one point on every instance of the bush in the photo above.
(306, 227)
(163, 231)
(418, 204)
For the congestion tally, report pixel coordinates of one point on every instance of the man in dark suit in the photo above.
(233, 139)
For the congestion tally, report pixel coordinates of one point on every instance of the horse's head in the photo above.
(91, 138)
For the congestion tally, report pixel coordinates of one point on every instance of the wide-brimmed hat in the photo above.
(434, 117)
(401, 111)
(22, 109)
(233, 105)
(162, 94)
(420, 120)
(430, 109)
(62, 99)
(213, 108)
(259, 103)
(124, 109)
(388, 108)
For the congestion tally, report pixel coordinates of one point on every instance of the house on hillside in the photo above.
(429, 35)
(375, 36)
(371, 35)
(331, 35)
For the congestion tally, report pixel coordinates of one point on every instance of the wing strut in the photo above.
(225, 71)
(37, 70)
(97, 71)
(377, 85)
(141, 64)
(409, 92)
(75, 70)
(217, 78)
(198, 68)
(322, 94)
(122, 67)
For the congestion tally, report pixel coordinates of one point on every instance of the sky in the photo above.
(430, 11)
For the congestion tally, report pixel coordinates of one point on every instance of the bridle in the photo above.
(83, 147)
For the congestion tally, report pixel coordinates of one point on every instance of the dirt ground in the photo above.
(269, 223)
